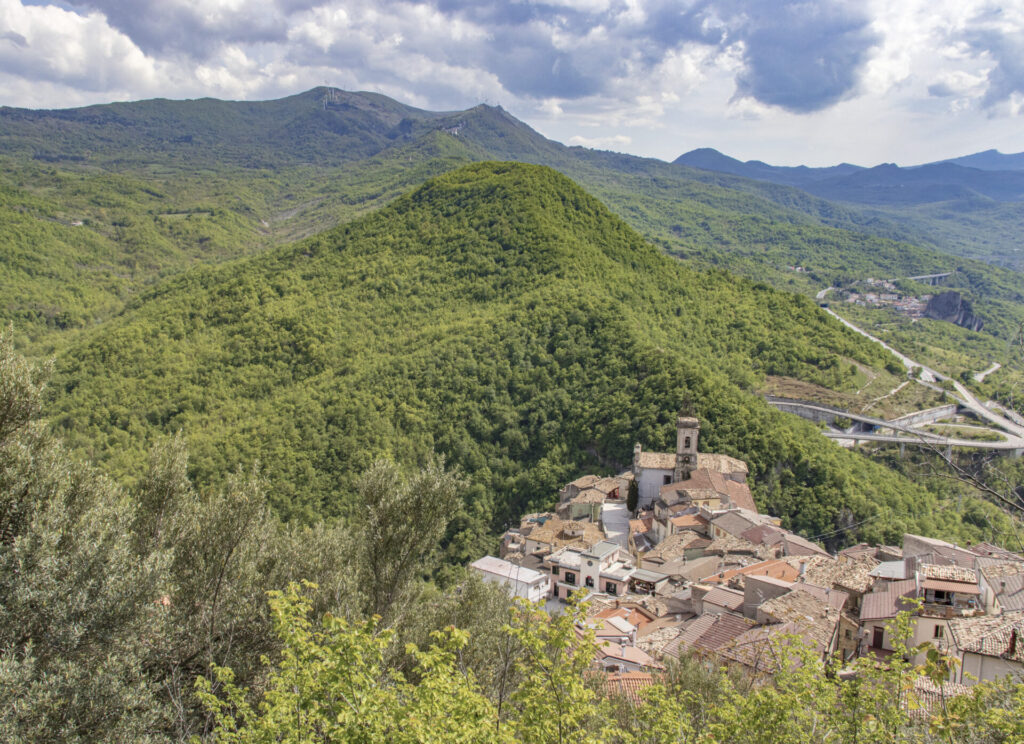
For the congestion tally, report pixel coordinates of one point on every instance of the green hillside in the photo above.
(169, 183)
(498, 315)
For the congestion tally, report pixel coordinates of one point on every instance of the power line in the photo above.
(844, 529)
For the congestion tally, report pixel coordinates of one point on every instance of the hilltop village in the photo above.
(672, 557)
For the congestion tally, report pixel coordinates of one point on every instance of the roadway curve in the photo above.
(927, 373)
(910, 434)
(963, 396)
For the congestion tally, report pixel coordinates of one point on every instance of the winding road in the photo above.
(927, 373)
(1011, 431)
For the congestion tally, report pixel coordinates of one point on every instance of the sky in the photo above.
(785, 81)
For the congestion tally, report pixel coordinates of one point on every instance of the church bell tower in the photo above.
(687, 432)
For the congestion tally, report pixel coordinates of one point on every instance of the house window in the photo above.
(611, 588)
(847, 634)
(554, 570)
(589, 581)
(570, 578)
(668, 479)
(940, 631)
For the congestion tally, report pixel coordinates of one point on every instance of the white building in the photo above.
(521, 582)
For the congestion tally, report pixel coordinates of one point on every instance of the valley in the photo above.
(283, 378)
(170, 241)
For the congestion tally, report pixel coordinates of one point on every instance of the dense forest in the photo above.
(309, 357)
(169, 183)
(504, 318)
(167, 613)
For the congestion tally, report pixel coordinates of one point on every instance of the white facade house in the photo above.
(521, 582)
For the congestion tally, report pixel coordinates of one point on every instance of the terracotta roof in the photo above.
(655, 643)
(734, 523)
(764, 534)
(675, 546)
(732, 544)
(1001, 635)
(888, 602)
(931, 697)
(708, 633)
(691, 632)
(552, 533)
(816, 618)
(631, 654)
(993, 570)
(994, 551)
(721, 463)
(1008, 585)
(640, 525)
(585, 481)
(758, 648)
(703, 479)
(860, 550)
(657, 460)
(589, 496)
(961, 587)
(636, 616)
(776, 568)
(834, 598)
(723, 597)
(849, 573)
(740, 496)
(689, 520)
(947, 573)
(628, 685)
(796, 545)
(607, 485)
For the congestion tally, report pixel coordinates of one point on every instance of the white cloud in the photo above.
(81, 52)
(602, 143)
(654, 76)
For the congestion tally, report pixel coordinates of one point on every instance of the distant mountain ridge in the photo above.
(987, 175)
(152, 187)
(990, 160)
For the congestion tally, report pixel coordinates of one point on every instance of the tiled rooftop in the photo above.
(657, 460)
(1001, 635)
(889, 601)
(947, 573)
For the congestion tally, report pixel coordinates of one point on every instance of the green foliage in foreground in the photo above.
(331, 683)
(502, 317)
(113, 601)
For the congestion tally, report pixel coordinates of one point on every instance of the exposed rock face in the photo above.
(953, 308)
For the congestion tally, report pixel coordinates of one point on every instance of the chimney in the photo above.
(1012, 648)
(803, 571)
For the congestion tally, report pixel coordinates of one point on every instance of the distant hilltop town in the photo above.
(673, 557)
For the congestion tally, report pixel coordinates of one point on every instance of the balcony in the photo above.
(943, 611)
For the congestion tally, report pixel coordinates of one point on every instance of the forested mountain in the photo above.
(991, 160)
(984, 176)
(104, 203)
(328, 339)
(970, 206)
(160, 185)
(500, 316)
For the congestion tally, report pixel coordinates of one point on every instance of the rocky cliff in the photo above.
(953, 308)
